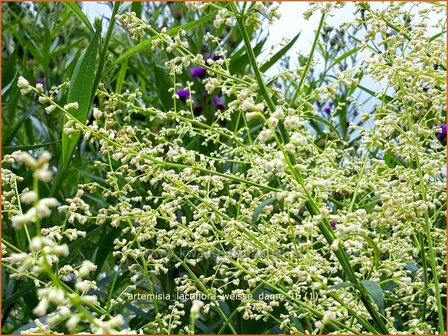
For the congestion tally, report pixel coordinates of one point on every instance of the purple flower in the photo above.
(183, 94)
(219, 103)
(442, 132)
(333, 224)
(328, 108)
(40, 80)
(213, 57)
(197, 107)
(198, 72)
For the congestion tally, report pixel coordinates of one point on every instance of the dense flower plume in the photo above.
(247, 187)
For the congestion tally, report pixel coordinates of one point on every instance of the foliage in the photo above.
(156, 180)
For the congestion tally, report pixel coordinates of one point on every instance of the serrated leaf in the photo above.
(279, 54)
(260, 207)
(376, 293)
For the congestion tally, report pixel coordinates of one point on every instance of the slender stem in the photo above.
(427, 228)
(308, 63)
(311, 204)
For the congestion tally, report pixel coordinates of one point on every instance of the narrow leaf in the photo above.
(279, 54)
(342, 285)
(261, 206)
(386, 98)
(121, 76)
(136, 7)
(344, 56)
(147, 43)
(73, 6)
(9, 136)
(376, 250)
(10, 149)
(80, 91)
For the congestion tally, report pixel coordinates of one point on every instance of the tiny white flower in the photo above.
(252, 115)
(328, 317)
(50, 108)
(20, 220)
(28, 160)
(43, 100)
(97, 113)
(41, 308)
(29, 197)
(86, 267)
(22, 83)
(291, 122)
(196, 307)
(71, 106)
(44, 175)
(40, 87)
(265, 135)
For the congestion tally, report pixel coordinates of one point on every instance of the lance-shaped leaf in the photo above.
(81, 91)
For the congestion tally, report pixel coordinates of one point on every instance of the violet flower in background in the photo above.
(213, 57)
(40, 80)
(183, 94)
(328, 108)
(333, 224)
(197, 107)
(198, 72)
(219, 103)
(442, 132)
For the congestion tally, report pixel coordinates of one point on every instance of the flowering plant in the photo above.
(306, 202)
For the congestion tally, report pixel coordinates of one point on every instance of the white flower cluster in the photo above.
(263, 205)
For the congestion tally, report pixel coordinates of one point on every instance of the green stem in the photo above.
(308, 63)
(102, 58)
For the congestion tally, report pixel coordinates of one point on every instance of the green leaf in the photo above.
(260, 207)
(9, 136)
(376, 250)
(73, 247)
(342, 285)
(392, 160)
(321, 120)
(147, 43)
(105, 248)
(238, 63)
(121, 76)
(10, 149)
(376, 293)
(136, 7)
(344, 56)
(279, 54)
(80, 91)
(386, 98)
(78, 12)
